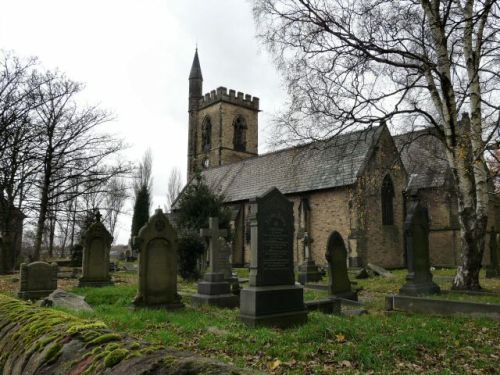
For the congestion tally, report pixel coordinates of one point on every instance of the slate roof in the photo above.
(314, 166)
(424, 158)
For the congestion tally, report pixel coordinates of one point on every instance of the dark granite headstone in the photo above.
(157, 244)
(272, 297)
(95, 264)
(336, 255)
(37, 280)
(419, 278)
(308, 271)
(215, 289)
(493, 270)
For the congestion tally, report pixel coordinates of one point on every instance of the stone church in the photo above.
(349, 191)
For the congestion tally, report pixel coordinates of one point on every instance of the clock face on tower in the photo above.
(206, 163)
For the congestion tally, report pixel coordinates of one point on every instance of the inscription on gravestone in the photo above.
(96, 246)
(274, 241)
(272, 297)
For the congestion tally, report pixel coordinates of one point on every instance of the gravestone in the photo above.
(157, 245)
(38, 280)
(226, 251)
(214, 288)
(419, 278)
(338, 279)
(77, 255)
(308, 270)
(272, 298)
(95, 263)
(493, 270)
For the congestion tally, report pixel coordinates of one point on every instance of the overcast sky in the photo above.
(134, 57)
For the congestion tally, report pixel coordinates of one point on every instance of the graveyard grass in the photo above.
(370, 343)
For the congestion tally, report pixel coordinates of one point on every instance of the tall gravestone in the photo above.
(272, 298)
(493, 270)
(38, 280)
(419, 278)
(95, 263)
(308, 270)
(157, 245)
(338, 279)
(215, 288)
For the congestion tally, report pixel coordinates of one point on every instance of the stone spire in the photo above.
(195, 68)
(195, 95)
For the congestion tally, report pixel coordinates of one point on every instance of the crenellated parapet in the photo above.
(232, 97)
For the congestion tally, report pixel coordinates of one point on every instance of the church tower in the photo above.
(223, 126)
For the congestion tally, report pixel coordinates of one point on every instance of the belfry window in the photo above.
(206, 135)
(239, 140)
(387, 193)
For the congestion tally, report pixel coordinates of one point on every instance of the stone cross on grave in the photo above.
(213, 289)
(213, 233)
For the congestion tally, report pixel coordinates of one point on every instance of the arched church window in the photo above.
(239, 140)
(206, 135)
(387, 201)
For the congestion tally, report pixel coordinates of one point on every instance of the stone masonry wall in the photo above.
(222, 115)
(381, 244)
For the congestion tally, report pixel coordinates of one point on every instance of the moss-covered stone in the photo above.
(40, 340)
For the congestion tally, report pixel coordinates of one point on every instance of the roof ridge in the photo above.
(303, 145)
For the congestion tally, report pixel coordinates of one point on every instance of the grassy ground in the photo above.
(374, 343)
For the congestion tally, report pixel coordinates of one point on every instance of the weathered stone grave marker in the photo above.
(76, 255)
(96, 246)
(308, 270)
(493, 270)
(38, 280)
(419, 278)
(157, 244)
(215, 288)
(272, 297)
(225, 265)
(338, 279)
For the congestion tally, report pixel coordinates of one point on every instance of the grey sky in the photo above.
(135, 56)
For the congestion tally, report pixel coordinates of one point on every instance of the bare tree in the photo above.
(18, 83)
(431, 63)
(115, 198)
(70, 149)
(174, 186)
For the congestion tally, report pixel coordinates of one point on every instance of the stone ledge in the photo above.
(441, 307)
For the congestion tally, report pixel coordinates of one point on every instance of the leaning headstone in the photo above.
(272, 298)
(95, 264)
(66, 300)
(38, 280)
(381, 271)
(336, 255)
(308, 270)
(493, 270)
(215, 289)
(419, 278)
(157, 244)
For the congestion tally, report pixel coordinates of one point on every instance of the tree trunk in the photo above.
(41, 221)
(472, 236)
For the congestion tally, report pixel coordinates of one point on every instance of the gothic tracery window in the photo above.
(206, 135)
(239, 140)
(387, 193)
